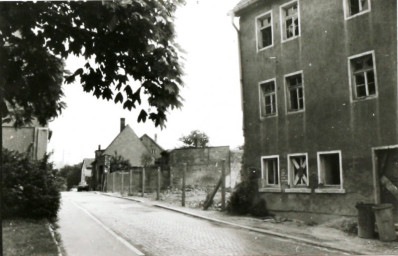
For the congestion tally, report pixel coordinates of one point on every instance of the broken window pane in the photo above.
(266, 35)
(330, 168)
(359, 79)
(364, 5)
(371, 83)
(361, 91)
(291, 21)
(293, 100)
(358, 6)
(354, 7)
(268, 90)
(289, 28)
(296, 92)
(265, 32)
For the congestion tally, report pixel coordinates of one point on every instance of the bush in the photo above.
(244, 199)
(30, 188)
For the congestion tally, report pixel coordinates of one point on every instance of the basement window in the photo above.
(264, 31)
(295, 92)
(330, 171)
(270, 170)
(356, 7)
(363, 76)
(268, 98)
(290, 21)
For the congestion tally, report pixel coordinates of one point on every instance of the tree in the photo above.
(147, 159)
(72, 174)
(196, 139)
(119, 163)
(121, 41)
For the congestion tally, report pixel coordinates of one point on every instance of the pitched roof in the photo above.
(154, 142)
(88, 161)
(128, 145)
(243, 4)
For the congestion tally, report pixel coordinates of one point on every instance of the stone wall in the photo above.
(204, 166)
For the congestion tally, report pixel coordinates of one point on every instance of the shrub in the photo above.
(30, 188)
(244, 199)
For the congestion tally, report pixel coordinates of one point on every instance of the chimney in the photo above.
(122, 124)
(156, 137)
(99, 147)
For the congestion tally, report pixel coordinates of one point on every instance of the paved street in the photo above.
(110, 226)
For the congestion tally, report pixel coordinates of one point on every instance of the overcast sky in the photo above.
(211, 94)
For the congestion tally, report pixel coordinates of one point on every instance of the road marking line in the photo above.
(122, 240)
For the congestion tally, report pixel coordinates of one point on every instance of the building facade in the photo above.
(126, 146)
(31, 139)
(319, 90)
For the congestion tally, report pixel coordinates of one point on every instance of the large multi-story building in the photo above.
(319, 84)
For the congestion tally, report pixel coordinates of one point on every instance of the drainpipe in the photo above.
(240, 70)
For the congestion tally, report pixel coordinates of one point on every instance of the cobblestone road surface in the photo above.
(156, 231)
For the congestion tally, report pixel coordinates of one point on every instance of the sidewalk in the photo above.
(314, 235)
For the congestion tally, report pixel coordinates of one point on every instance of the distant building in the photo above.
(31, 139)
(126, 145)
(152, 146)
(86, 171)
(320, 106)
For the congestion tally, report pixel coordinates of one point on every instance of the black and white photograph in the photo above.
(198, 127)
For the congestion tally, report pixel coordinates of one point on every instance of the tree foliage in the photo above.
(195, 139)
(147, 159)
(72, 174)
(128, 47)
(119, 163)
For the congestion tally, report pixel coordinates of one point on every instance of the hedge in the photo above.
(30, 187)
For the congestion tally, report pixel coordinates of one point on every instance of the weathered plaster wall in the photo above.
(204, 165)
(330, 121)
(26, 139)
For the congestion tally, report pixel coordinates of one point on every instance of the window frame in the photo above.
(330, 188)
(287, 93)
(348, 16)
(283, 20)
(258, 30)
(351, 78)
(262, 99)
(264, 175)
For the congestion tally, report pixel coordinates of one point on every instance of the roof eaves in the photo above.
(242, 5)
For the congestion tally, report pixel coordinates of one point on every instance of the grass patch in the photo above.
(27, 237)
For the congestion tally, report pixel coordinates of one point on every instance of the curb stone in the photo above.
(51, 229)
(257, 230)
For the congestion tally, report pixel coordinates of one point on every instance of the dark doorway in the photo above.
(387, 171)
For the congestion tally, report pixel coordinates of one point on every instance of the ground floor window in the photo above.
(298, 170)
(330, 169)
(270, 170)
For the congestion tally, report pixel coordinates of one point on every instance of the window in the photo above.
(330, 171)
(362, 76)
(295, 92)
(356, 7)
(264, 31)
(270, 170)
(268, 98)
(298, 170)
(290, 21)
